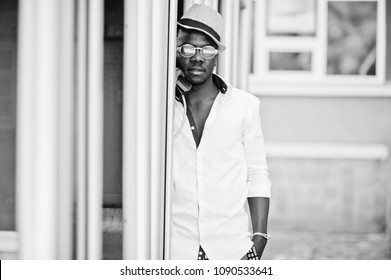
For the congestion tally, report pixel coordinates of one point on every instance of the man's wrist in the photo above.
(259, 239)
(261, 234)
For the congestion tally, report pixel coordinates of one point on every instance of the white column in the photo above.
(25, 185)
(228, 61)
(44, 115)
(45, 133)
(81, 131)
(159, 72)
(144, 130)
(235, 42)
(169, 125)
(129, 170)
(244, 49)
(65, 125)
(89, 129)
(261, 55)
(95, 129)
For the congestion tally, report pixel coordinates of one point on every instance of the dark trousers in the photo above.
(251, 255)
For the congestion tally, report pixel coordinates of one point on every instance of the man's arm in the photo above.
(259, 210)
(258, 183)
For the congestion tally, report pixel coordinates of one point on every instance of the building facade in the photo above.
(86, 106)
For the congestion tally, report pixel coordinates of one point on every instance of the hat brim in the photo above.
(220, 46)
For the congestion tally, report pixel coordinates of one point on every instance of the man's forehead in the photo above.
(195, 36)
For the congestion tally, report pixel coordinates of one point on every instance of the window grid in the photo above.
(265, 44)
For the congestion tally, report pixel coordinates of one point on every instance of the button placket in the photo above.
(200, 191)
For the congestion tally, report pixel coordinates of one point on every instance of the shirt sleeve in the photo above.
(258, 182)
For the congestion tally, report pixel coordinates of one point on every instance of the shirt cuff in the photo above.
(259, 190)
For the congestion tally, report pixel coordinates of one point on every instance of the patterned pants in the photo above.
(251, 255)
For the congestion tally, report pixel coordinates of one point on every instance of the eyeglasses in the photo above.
(187, 50)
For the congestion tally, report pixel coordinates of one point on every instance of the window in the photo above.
(319, 41)
(351, 38)
(8, 29)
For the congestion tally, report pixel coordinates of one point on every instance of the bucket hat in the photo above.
(206, 20)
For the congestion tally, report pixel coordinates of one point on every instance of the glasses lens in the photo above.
(208, 52)
(187, 50)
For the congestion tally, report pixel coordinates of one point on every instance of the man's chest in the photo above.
(199, 115)
(225, 118)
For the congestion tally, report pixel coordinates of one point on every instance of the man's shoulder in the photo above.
(243, 95)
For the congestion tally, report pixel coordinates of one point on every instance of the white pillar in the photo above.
(260, 32)
(66, 145)
(144, 130)
(81, 131)
(25, 185)
(159, 73)
(228, 61)
(44, 118)
(89, 129)
(95, 129)
(129, 170)
(244, 49)
(169, 126)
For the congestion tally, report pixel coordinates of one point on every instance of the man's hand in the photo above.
(179, 72)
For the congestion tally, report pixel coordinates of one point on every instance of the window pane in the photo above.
(8, 29)
(291, 17)
(351, 38)
(112, 176)
(290, 61)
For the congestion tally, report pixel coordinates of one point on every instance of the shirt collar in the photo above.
(217, 80)
(219, 83)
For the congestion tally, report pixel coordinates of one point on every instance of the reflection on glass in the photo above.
(291, 17)
(290, 61)
(351, 38)
(8, 29)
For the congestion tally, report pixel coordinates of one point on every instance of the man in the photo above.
(219, 154)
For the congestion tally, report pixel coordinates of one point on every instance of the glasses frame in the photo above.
(216, 51)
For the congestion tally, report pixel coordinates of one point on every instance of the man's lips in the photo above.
(196, 70)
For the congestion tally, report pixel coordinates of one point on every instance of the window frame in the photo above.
(9, 244)
(317, 45)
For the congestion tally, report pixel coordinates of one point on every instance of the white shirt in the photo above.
(212, 182)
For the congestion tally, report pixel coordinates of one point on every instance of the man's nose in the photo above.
(197, 56)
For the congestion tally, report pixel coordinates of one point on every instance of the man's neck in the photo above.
(203, 92)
